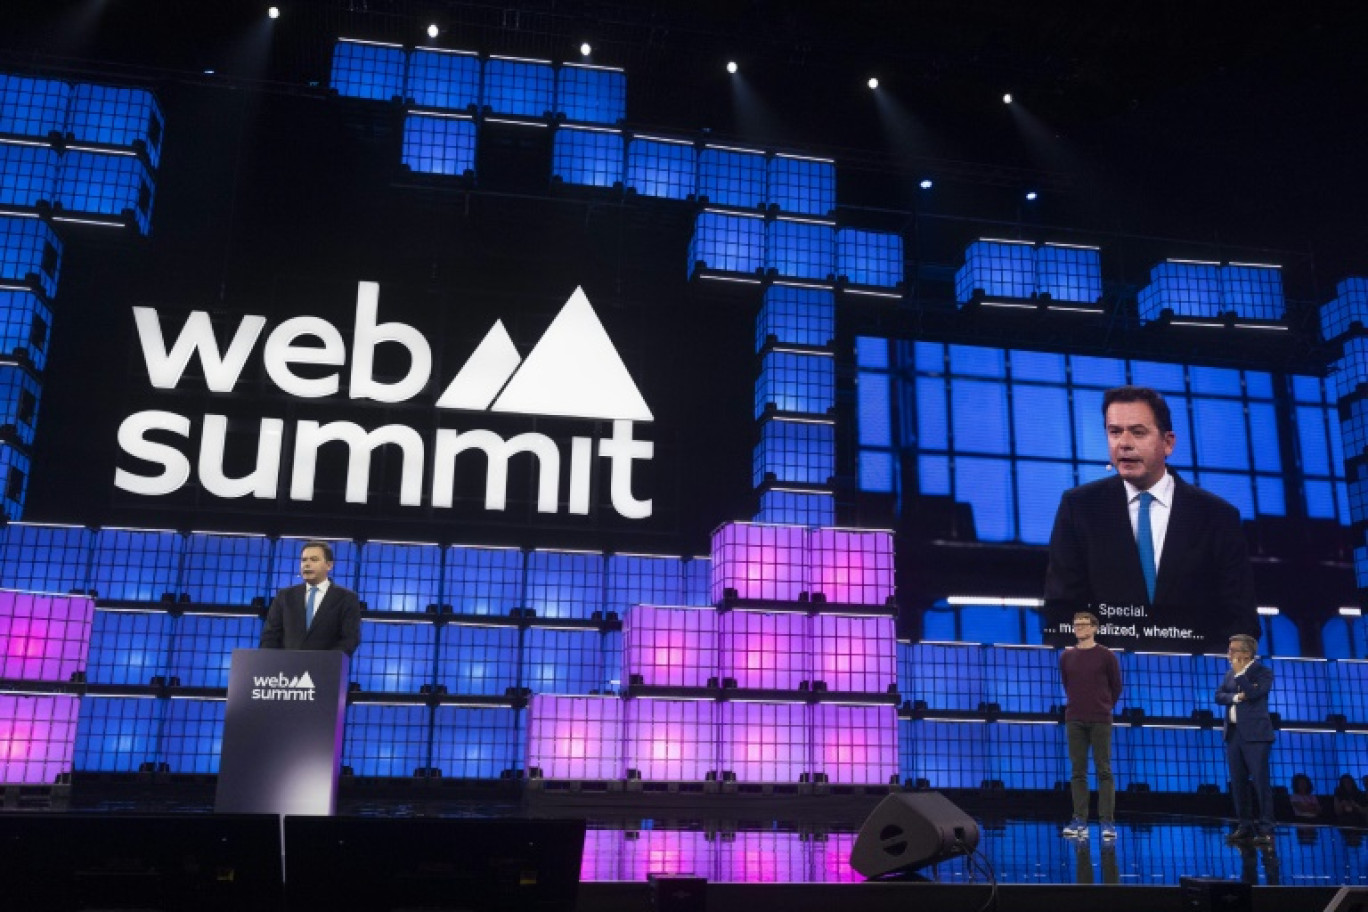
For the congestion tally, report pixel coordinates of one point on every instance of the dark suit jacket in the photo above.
(1251, 712)
(1204, 580)
(337, 621)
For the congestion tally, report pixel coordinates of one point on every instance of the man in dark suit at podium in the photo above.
(316, 614)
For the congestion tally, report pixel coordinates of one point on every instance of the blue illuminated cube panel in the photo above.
(1024, 679)
(14, 470)
(192, 739)
(19, 393)
(637, 579)
(28, 174)
(138, 565)
(869, 257)
(439, 144)
(562, 661)
(118, 734)
(106, 184)
(665, 168)
(386, 740)
(202, 647)
(802, 185)
(1186, 289)
(575, 737)
(1253, 292)
(799, 508)
(800, 250)
(946, 676)
(1346, 637)
(476, 742)
(590, 94)
(370, 71)
(592, 158)
(1025, 755)
(697, 581)
(726, 242)
(1302, 693)
(1352, 367)
(795, 451)
(483, 581)
(30, 251)
(732, 177)
(117, 116)
(796, 382)
(796, 316)
(399, 576)
(946, 754)
(670, 740)
(1168, 758)
(564, 584)
(223, 569)
(25, 324)
(128, 647)
(39, 736)
(523, 88)
(1069, 273)
(49, 558)
(443, 79)
(1348, 307)
(997, 268)
(33, 107)
(476, 660)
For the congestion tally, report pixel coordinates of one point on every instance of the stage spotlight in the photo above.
(1031, 195)
(731, 66)
(433, 30)
(274, 12)
(873, 82)
(1007, 99)
(925, 183)
(585, 49)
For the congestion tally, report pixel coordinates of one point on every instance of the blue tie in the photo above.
(1145, 541)
(313, 590)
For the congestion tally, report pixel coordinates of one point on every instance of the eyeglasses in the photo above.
(1083, 623)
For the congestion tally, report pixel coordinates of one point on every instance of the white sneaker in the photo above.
(1077, 828)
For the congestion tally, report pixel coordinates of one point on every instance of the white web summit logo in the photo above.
(282, 687)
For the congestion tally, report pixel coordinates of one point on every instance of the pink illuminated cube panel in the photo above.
(831, 859)
(37, 738)
(854, 654)
(855, 745)
(670, 646)
(43, 637)
(646, 852)
(671, 740)
(851, 567)
(575, 737)
(759, 562)
(763, 857)
(764, 650)
(764, 742)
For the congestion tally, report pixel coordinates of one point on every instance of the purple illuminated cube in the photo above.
(854, 654)
(43, 637)
(855, 745)
(759, 562)
(764, 742)
(671, 740)
(851, 567)
(576, 738)
(764, 650)
(666, 852)
(670, 646)
(763, 857)
(37, 738)
(831, 859)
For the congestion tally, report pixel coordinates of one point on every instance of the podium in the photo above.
(282, 732)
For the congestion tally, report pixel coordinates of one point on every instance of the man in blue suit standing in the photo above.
(316, 614)
(1248, 738)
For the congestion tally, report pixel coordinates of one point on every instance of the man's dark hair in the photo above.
(1162, 416)
(322, 545)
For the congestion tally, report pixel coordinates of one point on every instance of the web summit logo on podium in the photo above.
(283, 688)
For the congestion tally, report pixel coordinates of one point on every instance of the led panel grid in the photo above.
(855, 745)
(202, 647)
(802, 185)
(576, 738)
(1361, 567)
(764, 651)
(796, 316)
(30, 251)
(399, 576)
(854, 654)
(1025, 755)
(1167, 759)
(562, 661)
(192, 737)
(136, 565)
(697, 581)
(759, 562)
(997, 269)
(14, 469)
(999, 624)
(1349, 688)
(1280, 636)
(795, 451)
(52, 558)
(1023, 680)
(662, 167)
(1253, 292)
(1186, 289)
(732, 177)
(285, 559)
(1069, 273)
(764, 742)
(635, 579)
(28, 174)
(730, 243)
(483, 581)
(564, 584)
(128, 647)
(434, 144)
(592, 158)
(370, 71)
(799, 508)
(1354, 430)
(522, 88)
(763, 856)
(37, 737)
(387, 740)
(946, 676)
(618, 855)
(25, 324)
(800, 250)
(223, 569)
(670, 740)
(612, 661)
(33, 107)
(590, 94)
(670, 646)
(117, 116)
(1164, 684)
(19, 394)
(947, 754)
(1351, 753)
(1347, 307)
(118, 734)
(105, 183)
(1301, 689)
(796, 382)
(476, 742)
(477, 661)
(869, 257)
(1309, 752)
(851, 566)
(829, 855)
(397, 657)
(443, 79)
(1346, 373)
